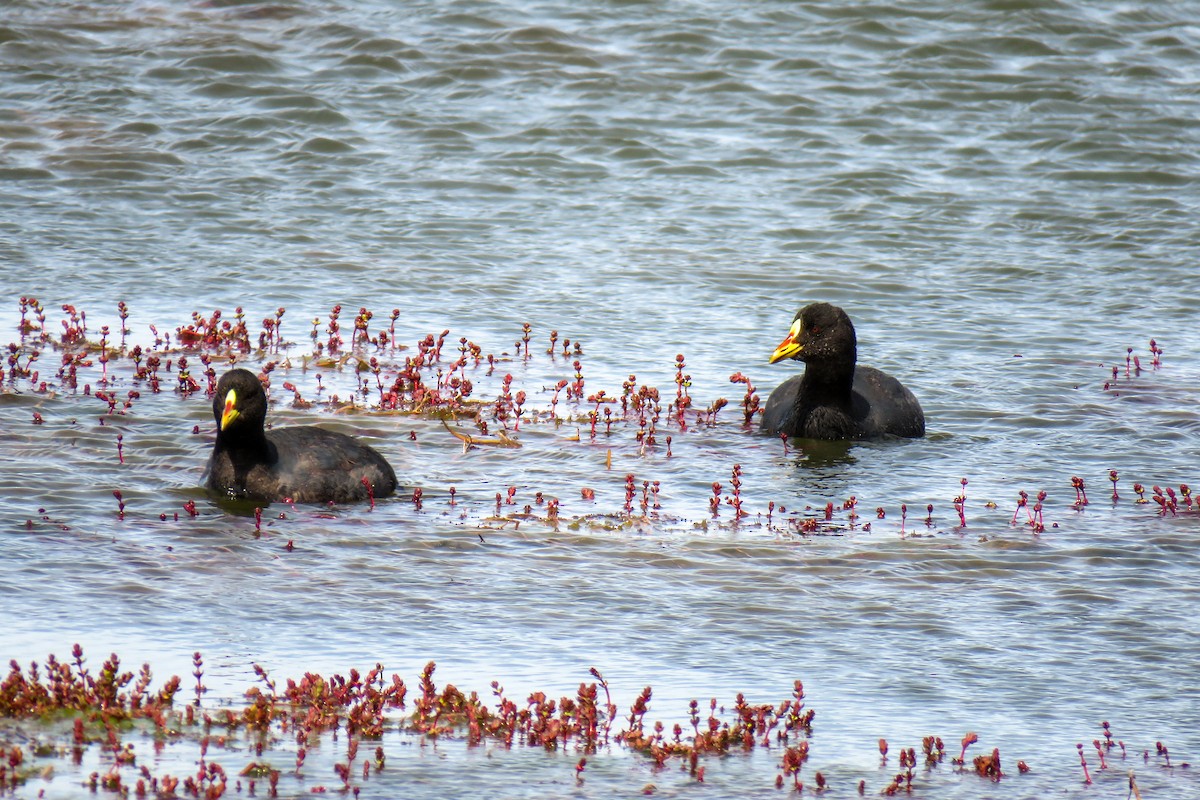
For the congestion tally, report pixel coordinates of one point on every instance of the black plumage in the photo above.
(835, 398)
(303, 464)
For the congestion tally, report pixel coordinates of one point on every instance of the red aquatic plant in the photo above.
(988, 766)
(960, 503)
(370, 492)
(750, 402)
(1080, 495)
(198, 673)
(967, 740)
(736, 500)
(575, 389)
(1022, 503)
(1087, 778)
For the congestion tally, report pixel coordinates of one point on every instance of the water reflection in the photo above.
(816, 454)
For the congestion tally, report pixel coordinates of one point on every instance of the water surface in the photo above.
(1003, 197)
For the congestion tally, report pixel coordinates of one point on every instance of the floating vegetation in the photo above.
(62, 713)
(373, 373)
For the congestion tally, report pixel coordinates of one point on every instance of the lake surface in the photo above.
(1002, 195)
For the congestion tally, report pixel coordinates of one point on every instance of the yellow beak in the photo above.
(231, 413)
(788, 348)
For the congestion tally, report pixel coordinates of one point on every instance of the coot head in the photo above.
(240, 405)
(820, 334)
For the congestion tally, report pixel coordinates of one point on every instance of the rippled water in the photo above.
(1002, 195)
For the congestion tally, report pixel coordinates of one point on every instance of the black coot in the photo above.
(303, 464)
(834, 398)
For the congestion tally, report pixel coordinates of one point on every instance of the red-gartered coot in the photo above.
(301, 464)
(834, 398)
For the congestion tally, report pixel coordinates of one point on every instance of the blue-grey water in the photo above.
(1003, 195)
